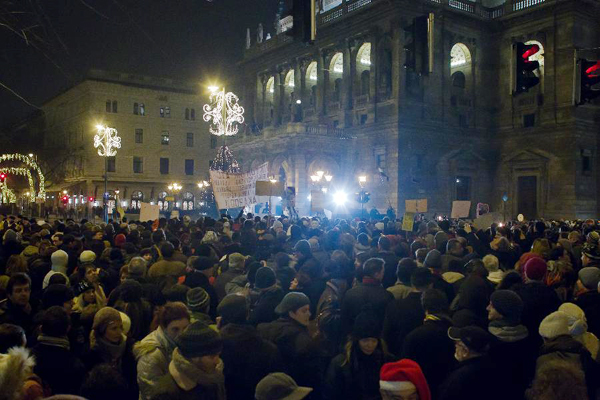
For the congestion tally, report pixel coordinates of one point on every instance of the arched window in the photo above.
(337, 64)
(187, 113)
(289, 79)
(163, 204)
(136, 200)
(458, 80)
(363, 56)
(188, 201)
(459, 55)
(311, 82)
(365, 81)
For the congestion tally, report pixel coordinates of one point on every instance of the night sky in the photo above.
(197, 40)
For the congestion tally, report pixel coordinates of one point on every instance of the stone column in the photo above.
(373, 38)
(277, 98)
(348, 76)
(300, 183)
(397, 49)
(321, 83)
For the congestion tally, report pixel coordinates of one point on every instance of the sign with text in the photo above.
(416, 206)
(237, 190)
(486, 220)
(460, 209)
(268, 188)
(149, 212)
(408, 221)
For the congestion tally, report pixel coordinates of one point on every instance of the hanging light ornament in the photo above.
(30, 162)
(107, 141)
(225, 112)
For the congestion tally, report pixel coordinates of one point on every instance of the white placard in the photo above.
(149, 212)
(460, 209)
(237, 190)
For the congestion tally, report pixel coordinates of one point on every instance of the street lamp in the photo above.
(363, 195)
(107, 142)
(317, 178)
(175, 188)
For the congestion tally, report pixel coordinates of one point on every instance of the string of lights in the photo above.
(225, 162)
(31, 165)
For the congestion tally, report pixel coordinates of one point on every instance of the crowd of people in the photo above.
(270, 308)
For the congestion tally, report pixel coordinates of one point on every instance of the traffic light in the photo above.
(2, 177)
(363, 197)
(65, 199)
(587, 84)
(418, 44)
(90, 199)
(305, 21)
(523, 68)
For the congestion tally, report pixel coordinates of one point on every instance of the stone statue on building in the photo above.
(259, 34)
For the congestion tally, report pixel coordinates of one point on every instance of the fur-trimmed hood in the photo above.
(15, 368)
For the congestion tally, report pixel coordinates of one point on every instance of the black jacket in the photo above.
(390, 267)
(58, 368)
(371, 295)
(402, 317)
(431, 348)
(264, 310)
(474, 379)
(297, 349)
(590, 304)
(539, 301)
(247, 359)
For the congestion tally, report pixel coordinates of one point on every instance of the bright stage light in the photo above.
(340, 198)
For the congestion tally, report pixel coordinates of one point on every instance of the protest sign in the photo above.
(149, 212)
(460, 209)
(416, 206)
(237, 190)
(408, 221)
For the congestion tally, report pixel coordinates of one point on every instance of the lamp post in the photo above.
(107, 142)
(362, 195)
(175, 188)
(320, 176)
(273, 182)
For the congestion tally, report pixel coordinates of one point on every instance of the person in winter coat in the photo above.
(270, 295)
(578, 328)
(196, 369)
(354, 374)
(19, 308)
(166, 270)
(154, 352)
(558, 380)
(198, 302)
(109, 345)
(384, 247)
(476, 376)
(369, 292)
(404, 271)
(236, 263)
(429, 345)
(539, 300)
(405, 315)
(588, 297)
(260, 357)
(290, 334)
(512, 350)
(559, 345)
(58, 368)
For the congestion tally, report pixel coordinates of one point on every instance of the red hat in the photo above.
(535, 269)
(403, 374)
(120, 240)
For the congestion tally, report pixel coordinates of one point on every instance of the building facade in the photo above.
(163, 141)
(348, 106)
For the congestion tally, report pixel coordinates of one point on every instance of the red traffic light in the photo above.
(594, 68)
(90, 198)
(529, 50)
(2, 176)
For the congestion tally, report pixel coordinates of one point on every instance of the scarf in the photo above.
(62, 342)
(111, 352)
(187, 376)
(505, 332)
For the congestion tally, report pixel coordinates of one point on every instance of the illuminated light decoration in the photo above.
(31, 164)
(225, 113)
(7, 196)
(225, 162)
(107, 141)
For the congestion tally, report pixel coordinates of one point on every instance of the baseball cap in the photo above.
(473, 337)
(280, 386)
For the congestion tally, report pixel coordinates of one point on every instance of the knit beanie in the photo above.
(589, 277)
(404, 374)
(292, 302)
(277, 225)
(577, 321)
(203, 263)
(197, 299)
(57, 295)
(198, 340)
(433, 260)
(366, 325)
(59, 259)
(233, 309)
(120, 240)
(509, 304)
(554, 325)
(535, 269)
(136, 270)
(236, 261)
(87, 256)
(265, 278)
(103, 318)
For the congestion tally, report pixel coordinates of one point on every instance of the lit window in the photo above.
(459, 55)
(164, 138)
(168, 112)
(364, 54)
(289, 79)
(142, 109)
(337, 63)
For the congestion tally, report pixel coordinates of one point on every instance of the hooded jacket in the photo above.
(153, 355)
